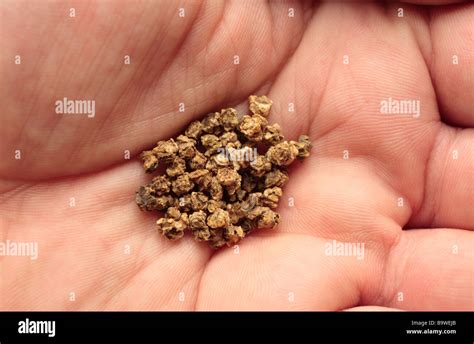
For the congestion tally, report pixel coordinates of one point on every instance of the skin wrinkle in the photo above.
(193, 275)
(436, 200)
(60, 119)
(324, 237)
(69, 81)
(79, 146)
(30, 183)
(412, 204)
(128, 42)
(215, 30)
(212, 34)
(150, 52)
(443, 108)
(236, 73)
(139, 267)
(200, 281)
(419, 206)
(37, 82)
(166, 70)
(428, 59)
(272, 38)
(313, 115)
(383, 296)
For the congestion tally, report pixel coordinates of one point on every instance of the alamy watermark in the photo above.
(75, 107)
(19, 249)
(345, 249)
(28, 326)
(242, 154)
(405, 106)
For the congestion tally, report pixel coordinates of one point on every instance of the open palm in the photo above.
(370, 174)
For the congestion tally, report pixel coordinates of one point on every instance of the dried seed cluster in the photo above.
(216, 184)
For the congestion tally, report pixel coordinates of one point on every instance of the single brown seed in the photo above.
(218, 219)
(282, 154)
(233, 234)
(260, 105)
(165, 151)
(182, 185)
(170, 228)
(229, 119)
(252, 127)
(176, 168)
(150, 161)
(194, 130)
(271, 197)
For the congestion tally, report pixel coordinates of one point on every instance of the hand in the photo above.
(401, 185)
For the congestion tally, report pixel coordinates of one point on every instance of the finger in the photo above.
(429, 269)
(212, 55)
(451, 62)
(449, 185)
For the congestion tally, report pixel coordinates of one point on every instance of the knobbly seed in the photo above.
(186, 147)
(304, 146)
(145, 198)
(272, 134)
(150, 161)
(218, 219)
(176, 168)
(213, 205)
(211, 123)
(260, 105)
(282, 154)
(260, 166)
(197, 220)
(271, 197)
(184, 203)
(212, 143)
(165, 151)
(171, 228)
(182, 185)
(252, 127)
(199, 161)
(217, 239)
(161, 185)
(275, 177)
(215, 189)
(173, 213)
(198, 200)
(233, 234)
(216, 184)
(229, 119)
(194, 130)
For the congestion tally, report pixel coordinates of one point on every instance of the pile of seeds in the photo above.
(224, 176)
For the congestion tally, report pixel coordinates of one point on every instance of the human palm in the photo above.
(369, 175)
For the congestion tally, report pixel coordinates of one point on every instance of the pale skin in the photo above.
(104, 250)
